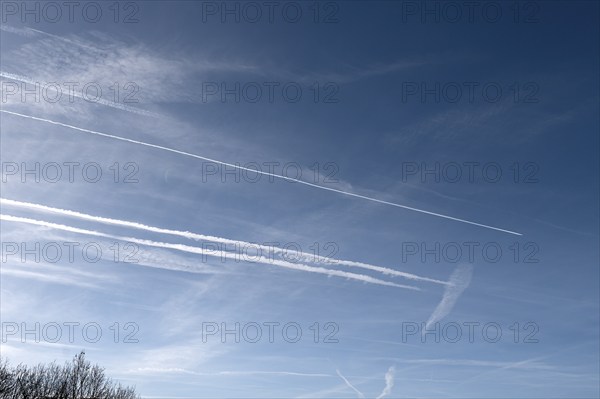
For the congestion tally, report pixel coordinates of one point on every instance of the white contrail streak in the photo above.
(260, 172)
(78, 94)
(202, 251)
(359, 393)
(201, 237)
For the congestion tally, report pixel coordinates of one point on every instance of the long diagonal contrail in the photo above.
(201, 237)
(261, 172)
(202, 251)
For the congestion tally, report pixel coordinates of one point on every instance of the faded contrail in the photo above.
(202, 251)
(359, 393)
(76, 93)
(219, 373)
(389, 383)
(64, 39)
(459, 281)
(29, 32)
(201, 237)
(261, 172)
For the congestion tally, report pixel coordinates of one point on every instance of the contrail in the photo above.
(261, 172)
(76, 93)
(29, 32)
(359, 393)
(459, 281)
(64, 39)
(202, 251)
(219, 373)
(389, 383)
(201, 237)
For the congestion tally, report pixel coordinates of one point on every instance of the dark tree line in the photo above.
(78, 379)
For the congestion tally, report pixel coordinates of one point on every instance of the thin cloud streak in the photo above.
(201, 237)
(260, 172)
(47, 278)
(26, 32)
(359, 393)
(524, 364)
(30, 32)
(76, 93)
(201, 251)
(224, 373)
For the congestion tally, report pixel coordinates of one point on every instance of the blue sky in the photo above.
(372, 131)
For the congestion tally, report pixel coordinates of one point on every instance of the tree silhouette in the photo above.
(78, 379)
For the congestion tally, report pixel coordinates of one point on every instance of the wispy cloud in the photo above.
(347, 73)
(56, 278)
(101, 57)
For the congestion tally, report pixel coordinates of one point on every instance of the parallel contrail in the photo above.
(201, 237)
(261, 172)
(202, 251)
